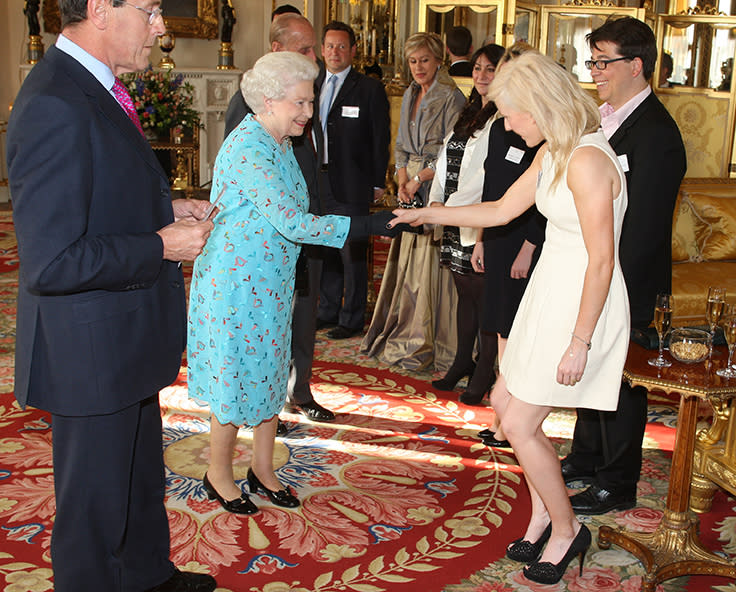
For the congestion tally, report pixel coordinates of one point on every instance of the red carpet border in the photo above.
(397, 494)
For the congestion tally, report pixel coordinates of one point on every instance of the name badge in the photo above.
(353, 112)
(514, 154)
(624, 162)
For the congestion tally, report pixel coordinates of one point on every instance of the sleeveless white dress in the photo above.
(546, 317)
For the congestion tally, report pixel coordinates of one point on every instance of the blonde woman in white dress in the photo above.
(569, 339)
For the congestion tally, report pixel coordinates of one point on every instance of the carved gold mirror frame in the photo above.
(184, 18)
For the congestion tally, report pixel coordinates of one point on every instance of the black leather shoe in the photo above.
(282, 497)
(341, 332)
(239, 505)
(450, 380)
(281, 429)
(314, 411)
(596, 500)
(486, 433)
(494, 442)
(572, 473)
(185, 581)
(321, 324)
(469, 398)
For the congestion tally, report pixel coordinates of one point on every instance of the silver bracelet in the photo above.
(588, 343)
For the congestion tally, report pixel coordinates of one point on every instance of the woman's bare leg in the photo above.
(496, 425)
(538, 459)
(220, 471)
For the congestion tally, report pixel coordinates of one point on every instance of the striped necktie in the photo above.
(122, 96)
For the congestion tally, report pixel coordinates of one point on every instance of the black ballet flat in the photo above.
(450, 380)
(545, 572)
(240, 505)
(282, 497)
(486, 433)
(525, 552)
(493, 442)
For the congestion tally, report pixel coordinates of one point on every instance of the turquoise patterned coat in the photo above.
(240, 305)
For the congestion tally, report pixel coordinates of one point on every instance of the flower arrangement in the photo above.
(163, 100)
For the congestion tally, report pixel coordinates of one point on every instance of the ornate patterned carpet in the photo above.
(397, 494)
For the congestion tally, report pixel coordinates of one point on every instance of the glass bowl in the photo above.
(689, 345)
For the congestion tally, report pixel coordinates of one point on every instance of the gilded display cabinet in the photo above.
(693, 80)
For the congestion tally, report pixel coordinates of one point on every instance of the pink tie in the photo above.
(121, 94)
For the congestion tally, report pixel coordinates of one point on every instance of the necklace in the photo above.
(259, 119)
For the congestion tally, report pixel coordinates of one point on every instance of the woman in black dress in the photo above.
(506, 255)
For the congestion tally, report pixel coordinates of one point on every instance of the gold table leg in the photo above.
(674, 548)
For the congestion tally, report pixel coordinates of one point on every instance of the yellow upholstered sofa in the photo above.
(703, 246)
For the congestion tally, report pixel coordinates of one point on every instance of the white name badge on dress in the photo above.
(353, 112)
(514, 154)
(624, 162)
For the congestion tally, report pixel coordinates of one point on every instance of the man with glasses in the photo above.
(606, 447)
(352, 114)
(101, 305)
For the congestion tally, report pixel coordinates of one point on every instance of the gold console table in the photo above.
(674, 548)
(714, 463)
(184, 153)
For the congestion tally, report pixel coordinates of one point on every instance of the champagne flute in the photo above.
(662, 321)
(728, 322)
(713, 311)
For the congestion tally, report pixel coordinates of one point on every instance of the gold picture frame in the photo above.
(184, 18)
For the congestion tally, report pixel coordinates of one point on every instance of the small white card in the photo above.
(348, 111)
(514, 154)
(624, 162)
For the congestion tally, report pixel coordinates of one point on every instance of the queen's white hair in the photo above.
(273, 75)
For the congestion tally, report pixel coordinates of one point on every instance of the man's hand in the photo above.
(184, 239)
(193, 209)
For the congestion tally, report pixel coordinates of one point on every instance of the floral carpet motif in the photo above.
(397, 494)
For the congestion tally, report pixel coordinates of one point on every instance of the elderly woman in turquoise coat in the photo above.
(243, 282)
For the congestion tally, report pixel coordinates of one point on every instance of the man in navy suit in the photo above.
(606, 447)
(101, 305)
(352, 116)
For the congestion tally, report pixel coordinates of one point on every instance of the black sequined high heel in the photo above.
(545, 572)
(282, 497)
(525, 551)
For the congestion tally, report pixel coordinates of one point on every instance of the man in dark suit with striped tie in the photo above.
(101, 305)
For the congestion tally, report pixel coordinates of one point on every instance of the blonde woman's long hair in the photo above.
(563, 111)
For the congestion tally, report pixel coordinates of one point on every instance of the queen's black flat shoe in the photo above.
(494, 442)
(240, 505)
(526, 552)
(486, 433)
(282, 497)
(545, 572)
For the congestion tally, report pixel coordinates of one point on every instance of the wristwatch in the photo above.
(417, 179)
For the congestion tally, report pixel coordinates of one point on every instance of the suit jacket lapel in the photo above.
(350, 81)
(101, 100)
(630, 121)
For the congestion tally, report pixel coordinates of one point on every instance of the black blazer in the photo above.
(101, 316)
(655, 155)
(461, 68)
(358, 136)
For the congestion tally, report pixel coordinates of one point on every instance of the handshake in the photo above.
(362, 227)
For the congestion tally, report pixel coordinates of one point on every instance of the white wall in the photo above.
(250, 41)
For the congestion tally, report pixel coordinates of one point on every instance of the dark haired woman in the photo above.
(459, 181)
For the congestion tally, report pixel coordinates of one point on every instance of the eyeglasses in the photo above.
(152, 14)
(602, 64)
